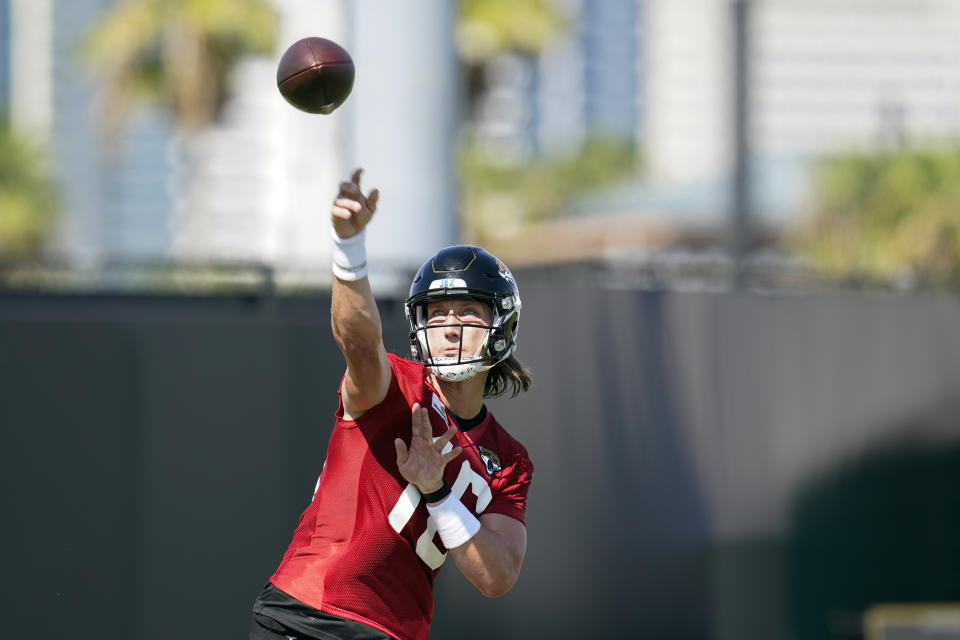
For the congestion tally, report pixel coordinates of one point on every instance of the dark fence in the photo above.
(707, 465)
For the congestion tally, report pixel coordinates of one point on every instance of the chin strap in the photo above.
(456, 372)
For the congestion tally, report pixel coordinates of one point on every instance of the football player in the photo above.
(417, 468)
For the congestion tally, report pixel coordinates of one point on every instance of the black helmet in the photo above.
(472, 272)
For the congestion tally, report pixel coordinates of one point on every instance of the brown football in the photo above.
(315, 75)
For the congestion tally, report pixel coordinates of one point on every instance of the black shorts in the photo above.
(278, 616)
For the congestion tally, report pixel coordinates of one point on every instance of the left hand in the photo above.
(423, 464)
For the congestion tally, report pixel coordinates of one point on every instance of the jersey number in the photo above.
(410, 498)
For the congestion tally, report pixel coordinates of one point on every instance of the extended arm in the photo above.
(353, 313)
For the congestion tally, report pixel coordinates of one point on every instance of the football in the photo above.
(315, 75)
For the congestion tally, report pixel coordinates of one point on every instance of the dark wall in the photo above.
(707, 466)
(159, 452)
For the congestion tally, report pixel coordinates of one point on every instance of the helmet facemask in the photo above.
(494, 348)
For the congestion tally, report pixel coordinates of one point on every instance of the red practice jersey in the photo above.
(365, 548)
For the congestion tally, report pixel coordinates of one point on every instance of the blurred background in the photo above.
(735, 224)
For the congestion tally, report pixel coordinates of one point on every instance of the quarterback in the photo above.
(418, 471)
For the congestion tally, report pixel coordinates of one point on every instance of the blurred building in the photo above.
(116, 198)
(257, 186)
(586, 83)
(832, 76)
(824, 77)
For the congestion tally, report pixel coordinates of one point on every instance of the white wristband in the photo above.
(349, 256)
(455, 523)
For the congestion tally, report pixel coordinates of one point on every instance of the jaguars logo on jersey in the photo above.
(491, 461)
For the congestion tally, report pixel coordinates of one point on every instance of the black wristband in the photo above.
(437, 495)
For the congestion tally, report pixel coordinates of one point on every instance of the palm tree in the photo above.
(175, 52)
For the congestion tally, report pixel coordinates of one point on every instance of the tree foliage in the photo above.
(28, 200)
(498, 197)
(888, 216)
(488, 27)
(177, 53)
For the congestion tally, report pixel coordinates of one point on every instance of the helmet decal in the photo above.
(504, 272)
(448, 283)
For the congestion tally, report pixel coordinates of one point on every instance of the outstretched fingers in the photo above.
(402, 452)
(420, 423)
(446, 458)
(422, 461)
(442, 441)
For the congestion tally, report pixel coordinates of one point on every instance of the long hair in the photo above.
(508, 375)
